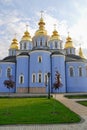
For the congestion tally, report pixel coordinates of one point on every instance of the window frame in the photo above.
(21, 75)
(32, 78)
(80, 72)
(10, 73)
(39, 59)
(71, 72)
(39, 78)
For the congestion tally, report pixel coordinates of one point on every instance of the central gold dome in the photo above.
(41, 30)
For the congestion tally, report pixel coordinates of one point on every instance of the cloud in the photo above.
(15, 23)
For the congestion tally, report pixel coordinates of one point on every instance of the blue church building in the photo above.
(30, 61)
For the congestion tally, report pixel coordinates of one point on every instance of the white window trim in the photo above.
(78, 71)
(32, 78)
(73, 71)
(20, 77)
(10, 71)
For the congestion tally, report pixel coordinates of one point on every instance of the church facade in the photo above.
(30, 64)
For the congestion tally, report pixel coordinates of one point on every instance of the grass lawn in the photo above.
(76, 96)
(34, 111)
(83, 103)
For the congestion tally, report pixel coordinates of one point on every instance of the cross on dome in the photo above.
(54, 26)
(27, 27)
(41, 13)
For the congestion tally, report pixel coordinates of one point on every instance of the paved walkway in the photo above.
(70, 103)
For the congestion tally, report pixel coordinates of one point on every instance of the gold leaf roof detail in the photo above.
(41, 30)
(81, 53)
(14, 44)
(55, 35)
(69, 43)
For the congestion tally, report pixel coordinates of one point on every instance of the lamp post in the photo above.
(48, 74)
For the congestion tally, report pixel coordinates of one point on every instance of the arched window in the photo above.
(40, 77)
(8, 72)
(80, 71)
(71, 70)
(39, 59)
(25, 46)
(21, 79)
(56, 45)
(33, 78)
(0, 71)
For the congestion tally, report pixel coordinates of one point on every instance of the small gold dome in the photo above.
(26, 36)
(41, 30)
(14, 44)
(81, 53)
(55, 35)
(69, 43)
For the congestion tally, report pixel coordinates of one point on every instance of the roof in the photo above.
(24, 54)
(9, 59)
(57, 52)
(72, 57)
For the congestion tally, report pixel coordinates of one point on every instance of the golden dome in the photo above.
(81, 53)
(69, 43)
(14, 44)
(41, 30)
(55, 35)
(26, 35)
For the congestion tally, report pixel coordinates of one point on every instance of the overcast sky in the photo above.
(68, 15)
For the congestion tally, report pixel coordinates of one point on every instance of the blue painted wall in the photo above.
(4, 77)
(58, 64)
(76, 83)
(36, 67)
(22, 69)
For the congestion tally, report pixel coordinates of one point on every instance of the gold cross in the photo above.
(54, 26)
(27, 27)
(41, 13)
(15, 35)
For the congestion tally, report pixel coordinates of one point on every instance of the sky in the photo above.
(68, 15)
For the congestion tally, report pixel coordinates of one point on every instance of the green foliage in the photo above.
(83, 102)
(34, 111)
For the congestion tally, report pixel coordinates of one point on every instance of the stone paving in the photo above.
(70, 103)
